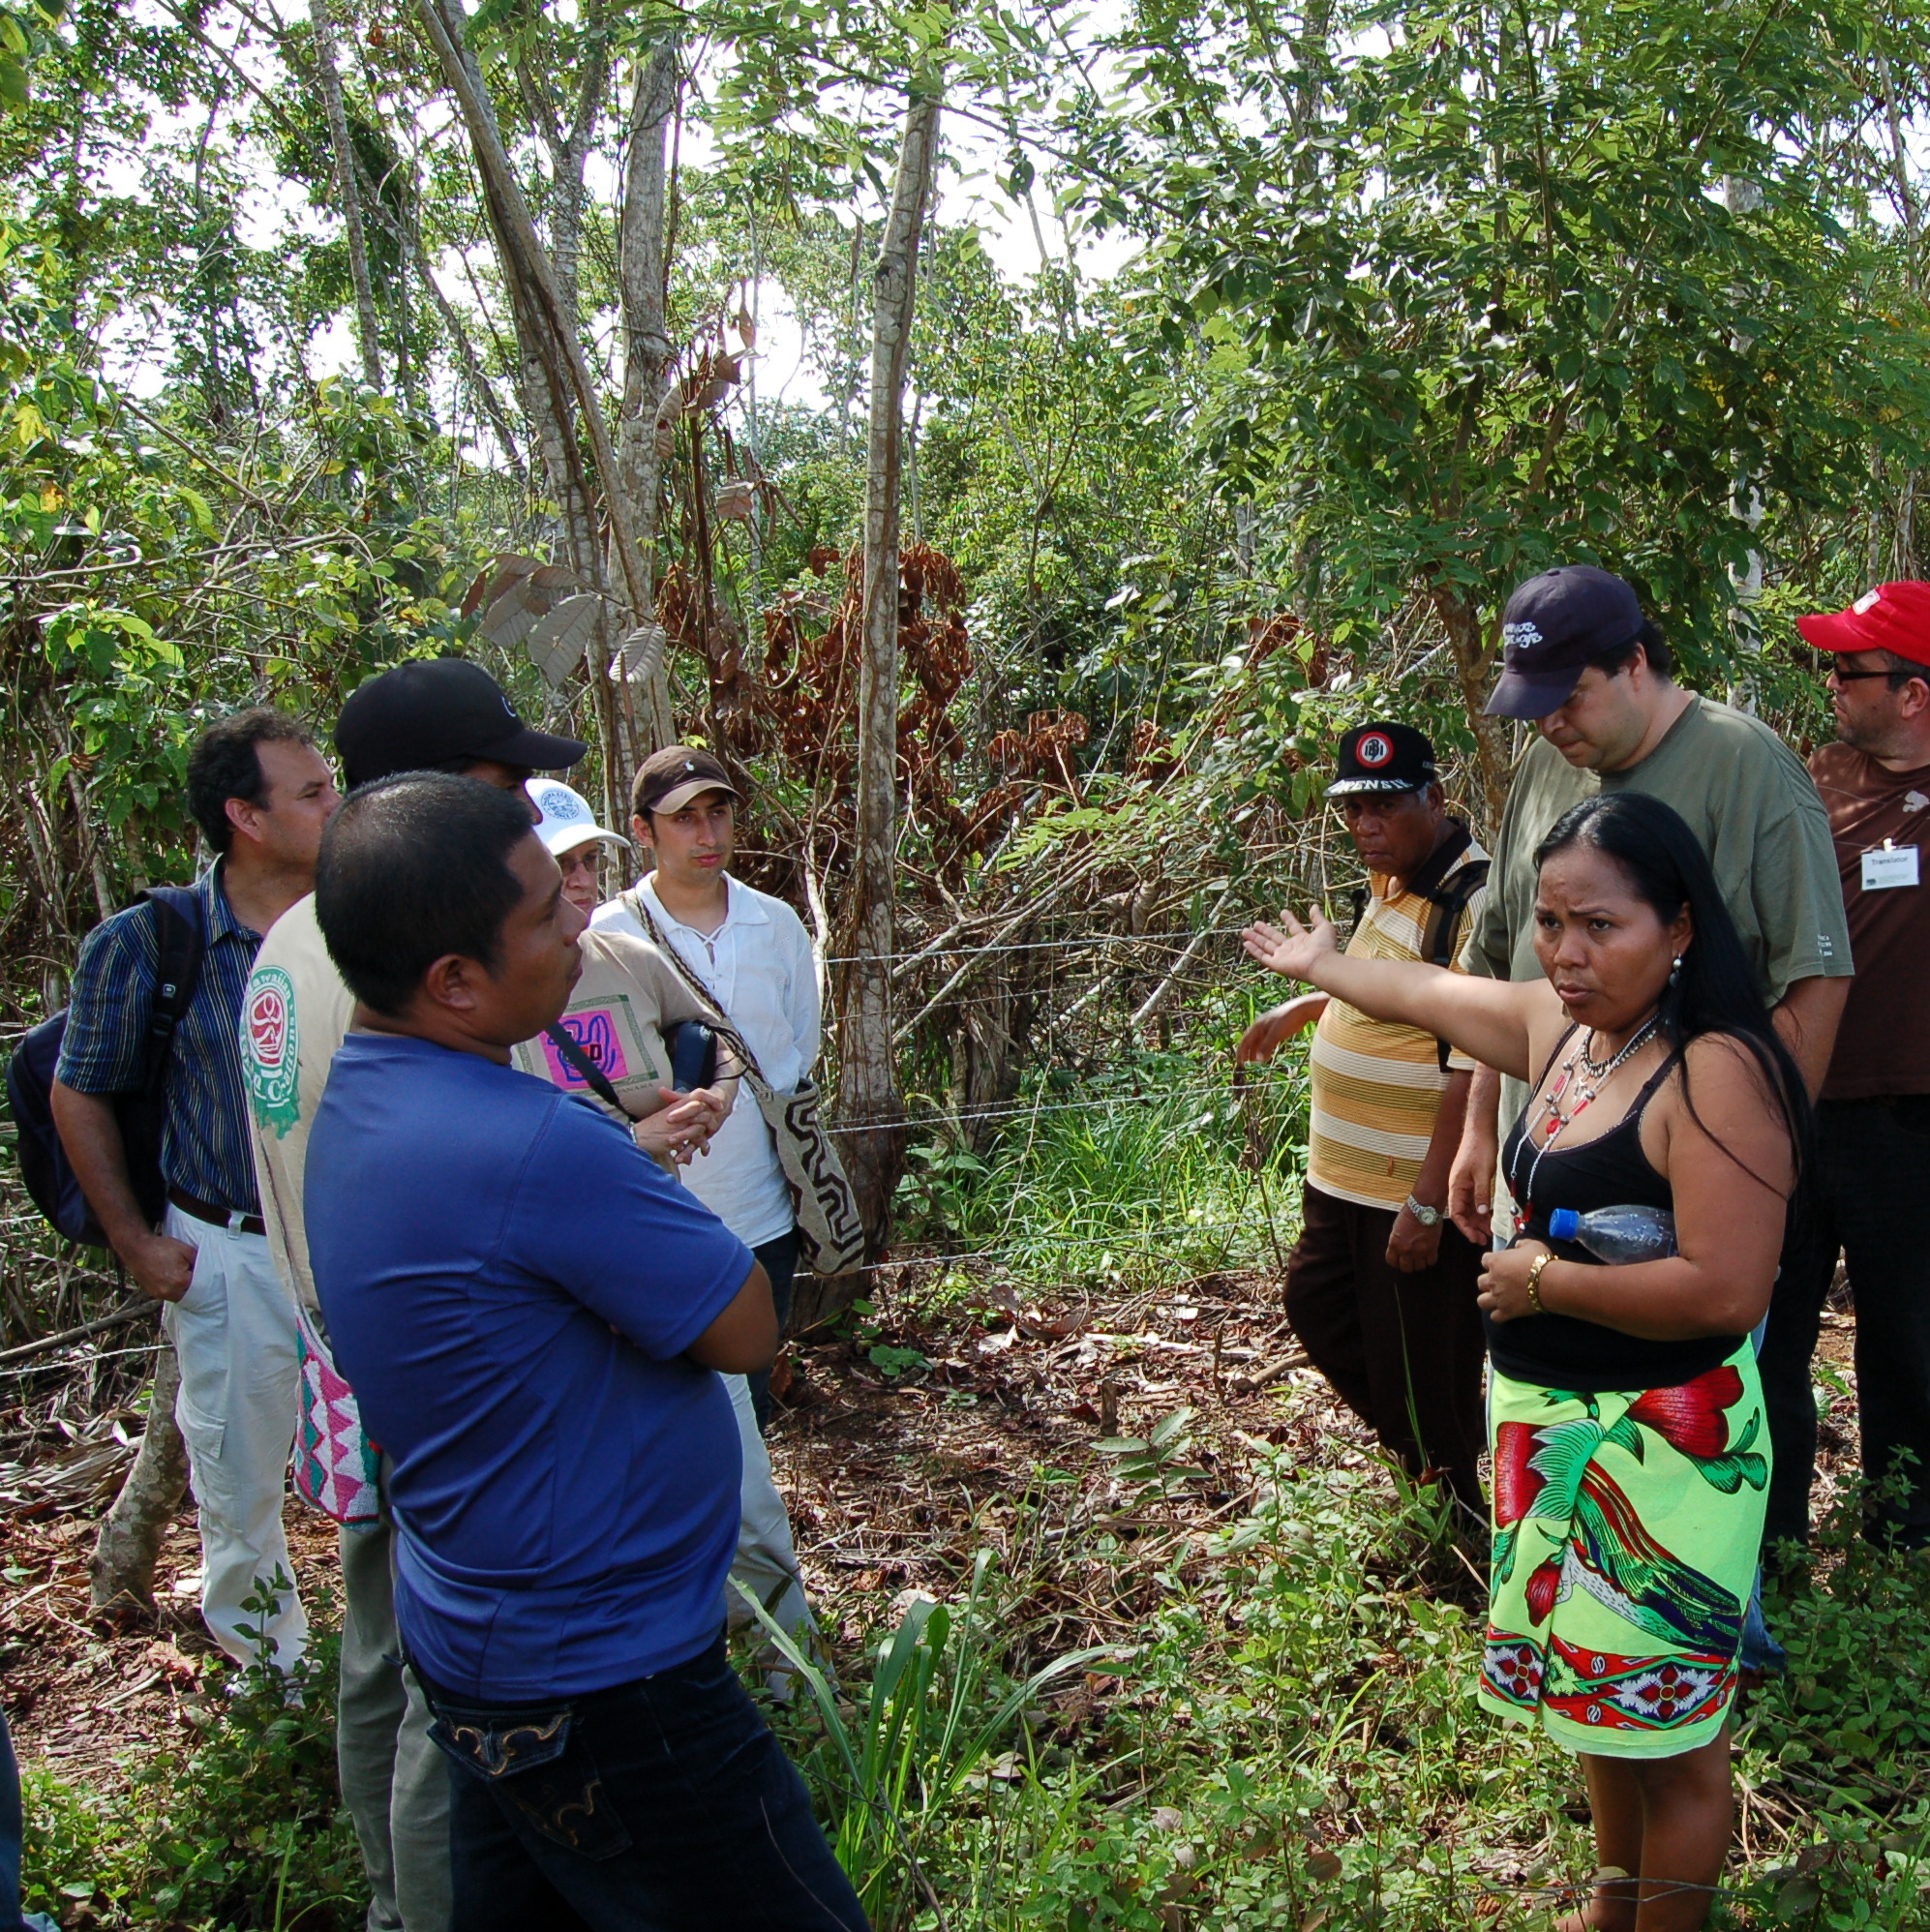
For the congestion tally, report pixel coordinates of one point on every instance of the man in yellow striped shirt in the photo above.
(1380, 1285)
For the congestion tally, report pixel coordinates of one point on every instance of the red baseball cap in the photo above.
(1893, 617)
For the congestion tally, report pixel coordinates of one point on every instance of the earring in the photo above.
(1676, 972)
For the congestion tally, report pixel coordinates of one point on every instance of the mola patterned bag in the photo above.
(335, 1465)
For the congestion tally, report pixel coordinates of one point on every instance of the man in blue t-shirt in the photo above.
(565, 1460)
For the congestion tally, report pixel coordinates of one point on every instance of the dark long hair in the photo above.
(1715, 991)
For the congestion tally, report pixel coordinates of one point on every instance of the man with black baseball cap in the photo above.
(441, 714)
(1380, 1287)
(1592, 671)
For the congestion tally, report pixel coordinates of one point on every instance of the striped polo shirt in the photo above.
(1376, 1085)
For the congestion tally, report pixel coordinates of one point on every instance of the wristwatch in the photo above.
(1428, 1216)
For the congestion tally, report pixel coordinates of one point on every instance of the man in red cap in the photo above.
(1873, 1113)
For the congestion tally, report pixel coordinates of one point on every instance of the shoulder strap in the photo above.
(1652, 1086)
(726, 1030)
(582, 1066)
(180, 944)
(1441, 938)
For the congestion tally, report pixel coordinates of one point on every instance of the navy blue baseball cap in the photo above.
(1383, 758)
(1555, 627)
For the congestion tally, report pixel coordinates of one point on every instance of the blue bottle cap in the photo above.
(1563, 1224)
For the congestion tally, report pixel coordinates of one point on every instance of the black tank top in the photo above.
(1562, 1350)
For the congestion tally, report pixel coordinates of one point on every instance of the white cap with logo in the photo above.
(567, 819)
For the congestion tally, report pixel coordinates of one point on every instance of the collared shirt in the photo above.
(205, 1149)
(1377, 1085)
(758, 970)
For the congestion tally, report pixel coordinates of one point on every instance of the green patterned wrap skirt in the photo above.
(1627, 1532)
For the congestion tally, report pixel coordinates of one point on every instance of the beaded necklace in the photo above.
(1592, 1077)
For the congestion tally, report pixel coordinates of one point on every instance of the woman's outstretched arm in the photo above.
(1486, 1018)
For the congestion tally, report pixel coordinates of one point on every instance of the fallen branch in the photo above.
(47, 1342)
(1248, 1385)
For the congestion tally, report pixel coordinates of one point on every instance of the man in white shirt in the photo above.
(752, 957)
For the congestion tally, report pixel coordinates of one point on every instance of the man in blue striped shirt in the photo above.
(261, 792)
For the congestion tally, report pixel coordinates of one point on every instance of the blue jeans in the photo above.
(663, 1805)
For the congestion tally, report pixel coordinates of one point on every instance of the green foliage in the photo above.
(1124, 1175)
(1469, 290)
(247, 1831)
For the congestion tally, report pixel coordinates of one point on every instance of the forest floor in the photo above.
(939, 1425)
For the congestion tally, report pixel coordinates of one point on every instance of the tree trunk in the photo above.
(124, 1556)
(868, 1097)
(1473, 665)
(346, 186)
(556, 377)
(647, 345)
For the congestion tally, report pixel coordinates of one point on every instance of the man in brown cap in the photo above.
(752, 957)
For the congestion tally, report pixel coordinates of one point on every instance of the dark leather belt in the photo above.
(232, 1218)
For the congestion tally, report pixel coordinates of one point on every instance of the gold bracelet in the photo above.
(1535, 1267)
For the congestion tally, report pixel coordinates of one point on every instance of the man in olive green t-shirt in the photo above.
(1581, 660)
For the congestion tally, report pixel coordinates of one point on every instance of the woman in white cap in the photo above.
(568, 828)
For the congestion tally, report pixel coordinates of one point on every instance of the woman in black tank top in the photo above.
(1630, 1455)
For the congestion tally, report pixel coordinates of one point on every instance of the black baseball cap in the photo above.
(1555, 627)
(434, 709)
(1383, 758)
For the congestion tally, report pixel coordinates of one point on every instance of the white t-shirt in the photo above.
(758, 970)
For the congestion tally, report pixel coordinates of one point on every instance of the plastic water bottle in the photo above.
(1617, 1234)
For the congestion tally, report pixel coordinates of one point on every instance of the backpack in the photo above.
(44, 1165)
(1440, 939)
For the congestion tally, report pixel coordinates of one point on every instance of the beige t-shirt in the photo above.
(627, 994)
(298, 1012)
(295, 1016)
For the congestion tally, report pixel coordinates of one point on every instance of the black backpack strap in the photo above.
(1441, 940)
(181, 943)
(582, 1066)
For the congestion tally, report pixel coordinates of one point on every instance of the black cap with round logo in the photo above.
(1383, 758)
(433, 710)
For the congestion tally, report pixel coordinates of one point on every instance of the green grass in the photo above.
(1152, 1168)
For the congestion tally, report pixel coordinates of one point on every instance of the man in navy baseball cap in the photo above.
(1555, 627)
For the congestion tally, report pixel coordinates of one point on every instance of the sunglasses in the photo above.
(1829, 666)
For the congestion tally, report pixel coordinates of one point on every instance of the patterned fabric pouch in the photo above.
(335, 1465)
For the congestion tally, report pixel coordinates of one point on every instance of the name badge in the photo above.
(1890, 867)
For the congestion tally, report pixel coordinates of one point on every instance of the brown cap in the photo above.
(672, 777)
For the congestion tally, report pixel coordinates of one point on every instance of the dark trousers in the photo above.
(1870, 1203)
(779, 1259)
(1404, 1353)
(663, 1805)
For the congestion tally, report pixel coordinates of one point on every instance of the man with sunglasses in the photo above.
(1873, 1113)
